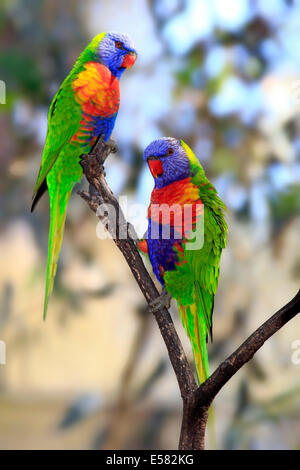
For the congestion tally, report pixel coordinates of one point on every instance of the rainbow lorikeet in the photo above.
(184, 206)
(84, 108)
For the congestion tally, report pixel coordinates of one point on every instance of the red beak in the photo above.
(156, 168)
(129, 60)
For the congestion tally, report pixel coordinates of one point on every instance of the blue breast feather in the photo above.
(161, 240)
(100, 126)
(104, 126)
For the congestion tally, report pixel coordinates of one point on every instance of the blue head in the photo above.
(117, 52)
(168, 161)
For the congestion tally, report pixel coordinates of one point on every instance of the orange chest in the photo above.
(177, 204)
(180, 192)
(97, 90)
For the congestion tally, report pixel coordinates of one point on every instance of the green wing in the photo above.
(194, 281)
(204, 263)
(63, 118)
(205, 267)
(63, 121)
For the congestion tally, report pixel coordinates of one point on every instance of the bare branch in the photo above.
(209, 389)
(195, 410)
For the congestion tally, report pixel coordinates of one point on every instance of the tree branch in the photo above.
(209, 389)
(196, 407)
(196, 400)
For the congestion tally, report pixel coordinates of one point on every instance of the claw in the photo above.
(164, 300)
(102, 149)
(112, 145)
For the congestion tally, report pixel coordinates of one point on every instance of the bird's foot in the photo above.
(102, 149)
(164, 300)
(111, 144)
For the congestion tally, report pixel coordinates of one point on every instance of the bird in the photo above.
(84, 108)
(186, 234)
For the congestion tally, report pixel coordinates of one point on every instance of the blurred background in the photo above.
(225, 77)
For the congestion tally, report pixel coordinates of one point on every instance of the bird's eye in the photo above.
(119, 45)
(170, 151)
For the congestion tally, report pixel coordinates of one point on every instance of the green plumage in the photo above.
(64, 118)
(60, 167)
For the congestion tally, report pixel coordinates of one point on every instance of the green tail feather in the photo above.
(58, 210)
(205, 303)
(197, 322)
